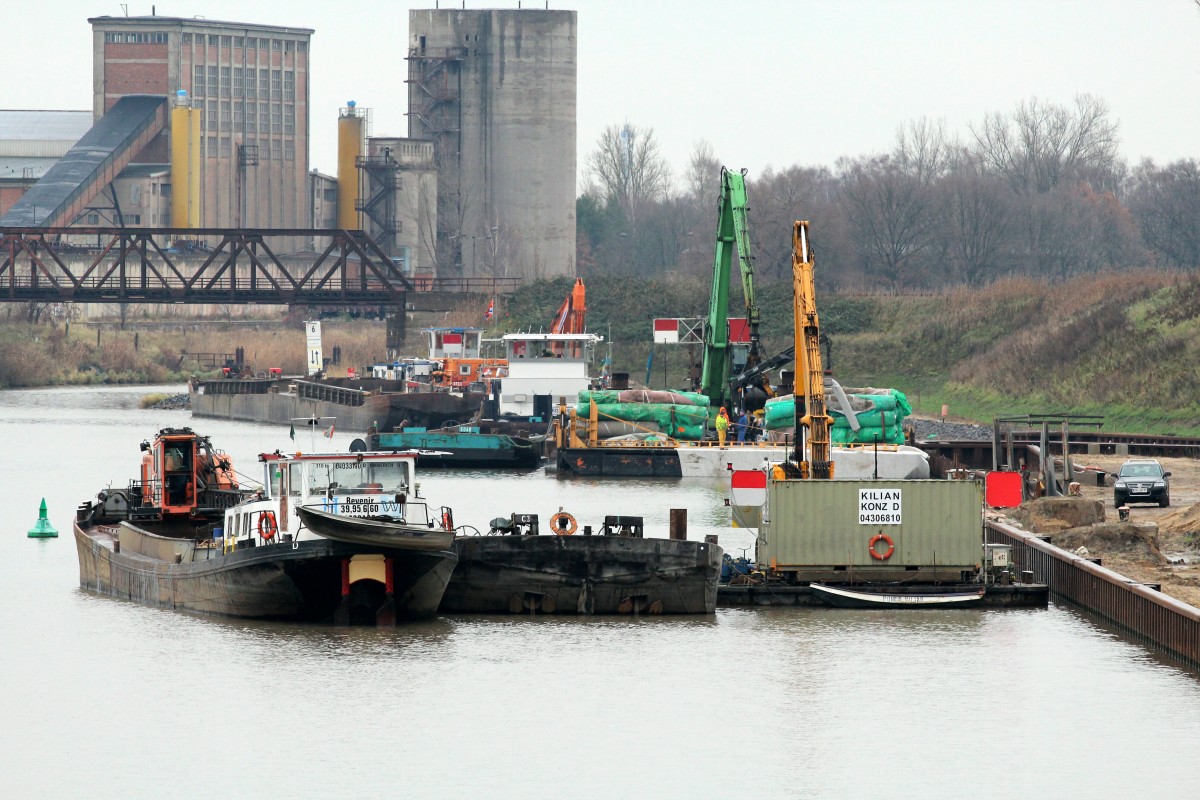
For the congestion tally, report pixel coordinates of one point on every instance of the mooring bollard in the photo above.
(678, 523)
(43, 529)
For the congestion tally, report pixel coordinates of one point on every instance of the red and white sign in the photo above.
(748, 487)
(1002, 489)
(452, 343)
(739, 330)
(666, 331)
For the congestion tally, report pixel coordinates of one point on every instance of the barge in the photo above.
(516, 569)
(186, 536)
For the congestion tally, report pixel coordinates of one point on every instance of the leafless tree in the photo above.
(891, 217)
(1165, 203)
(978, 215)
(703, 176)
(1041, 144)
(628, 169)
(922, 149)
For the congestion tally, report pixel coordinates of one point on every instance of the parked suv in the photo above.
(1142, 481)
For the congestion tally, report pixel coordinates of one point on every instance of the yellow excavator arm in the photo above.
(810, 376)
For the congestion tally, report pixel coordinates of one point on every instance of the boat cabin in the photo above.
(542, 367)
(182, 475)
(351, 484)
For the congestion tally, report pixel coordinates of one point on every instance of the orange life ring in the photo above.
(881, 537)
(564, 524)
(267, 525)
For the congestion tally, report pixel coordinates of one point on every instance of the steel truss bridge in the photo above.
(196, 265)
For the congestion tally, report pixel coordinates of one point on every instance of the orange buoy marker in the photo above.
(43, 529)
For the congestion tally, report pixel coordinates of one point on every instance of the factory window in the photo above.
(212, 146)
(276, 83)
(135, 194)
(289, 152)
(276, 44)
(251, 117)
(210, 113)
(224, 115)
(302, 47)
(238, 74)
(213, 39)
(288, 45)
(276, 120)
(276, 150)
(239, 116)
(226, 41)
(251, 43)
(224, 80)
(331, 195)
(187, 38)
(264, 83)
(238, 41)
(289, 85)
(226, 142)
(158, 38)
(264, 118)
(93, 219)
(213, 73)
(165, 190)
(198, 81)
(133, 219)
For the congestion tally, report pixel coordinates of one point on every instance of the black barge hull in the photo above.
(583, 575)
(301, 581)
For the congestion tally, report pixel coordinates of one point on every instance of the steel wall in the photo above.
(1148, 615)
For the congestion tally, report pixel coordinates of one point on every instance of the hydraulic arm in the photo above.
(809, 374)
(571, 316)
(732, 231)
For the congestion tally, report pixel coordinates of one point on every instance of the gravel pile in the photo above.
(172, 403)
(950, 431)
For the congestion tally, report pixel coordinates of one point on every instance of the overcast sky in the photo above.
(767, 83)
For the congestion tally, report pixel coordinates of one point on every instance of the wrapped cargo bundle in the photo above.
(603, 396)
(680, 421)
(879, 413)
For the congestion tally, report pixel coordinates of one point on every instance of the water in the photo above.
(106, 699)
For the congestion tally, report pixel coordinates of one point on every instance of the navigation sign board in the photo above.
(313, 336)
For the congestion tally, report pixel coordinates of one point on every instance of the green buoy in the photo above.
(43, 529)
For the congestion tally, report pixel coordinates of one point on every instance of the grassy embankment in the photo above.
(1098, 345)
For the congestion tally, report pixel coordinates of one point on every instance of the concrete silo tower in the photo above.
(494, 90)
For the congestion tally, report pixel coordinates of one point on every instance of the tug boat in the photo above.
(186, 536)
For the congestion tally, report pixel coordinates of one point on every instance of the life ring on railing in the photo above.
(267, 526)
(563, 524)
(876, 539)
(447, 520)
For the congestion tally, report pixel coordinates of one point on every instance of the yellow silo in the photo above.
(185, 164)
(350, 145)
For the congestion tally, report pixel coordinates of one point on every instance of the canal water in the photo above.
(105, 699)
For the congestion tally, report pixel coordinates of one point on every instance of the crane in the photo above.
(732, 230)
(809, 374)
(571, 316)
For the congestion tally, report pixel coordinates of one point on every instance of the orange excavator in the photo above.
(571, 316)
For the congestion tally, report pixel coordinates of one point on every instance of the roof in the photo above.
(29, 124)
(15, 166)
(145, 170)
(155, 20)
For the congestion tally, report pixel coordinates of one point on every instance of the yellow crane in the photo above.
(809, 373)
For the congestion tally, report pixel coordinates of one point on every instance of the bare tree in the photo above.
(922, 149)
(628, 169)
(978, 210)
(891, 216)
(703, 176)
(1165, 203)
(1041, 144)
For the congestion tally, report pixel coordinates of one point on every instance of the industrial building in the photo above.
(494, 91)
(198, 123)
(214, 114)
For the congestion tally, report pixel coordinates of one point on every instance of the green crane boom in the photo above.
(732, 230)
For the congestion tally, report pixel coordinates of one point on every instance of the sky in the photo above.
(783, 83)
